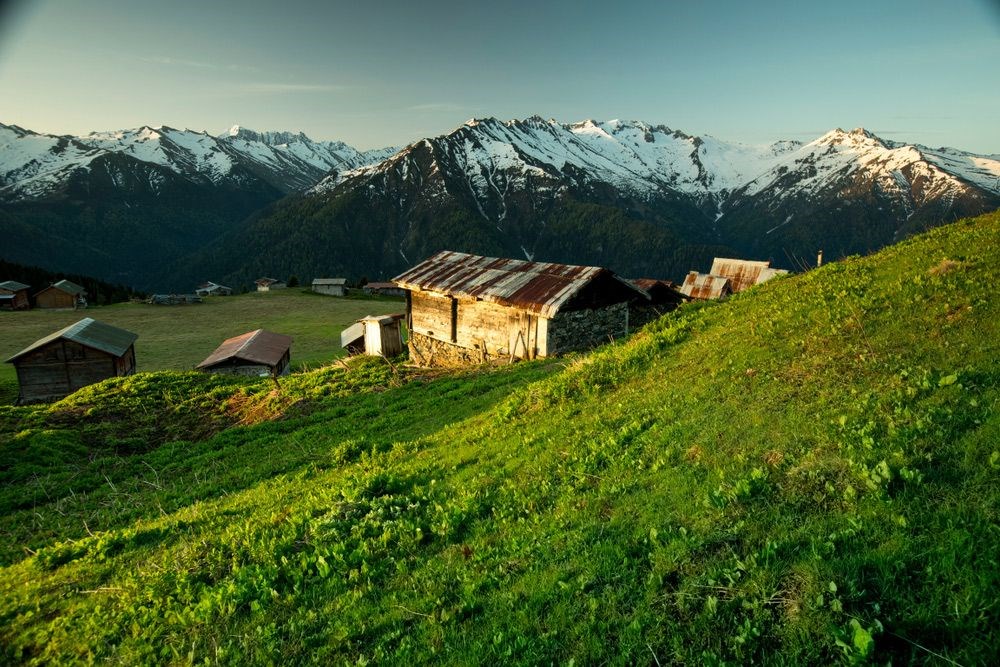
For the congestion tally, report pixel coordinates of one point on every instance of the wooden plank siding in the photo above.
(62, 367)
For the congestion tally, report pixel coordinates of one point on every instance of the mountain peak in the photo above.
(269, 138)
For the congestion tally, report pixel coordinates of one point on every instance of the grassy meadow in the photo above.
(179, 337)
(807, 473)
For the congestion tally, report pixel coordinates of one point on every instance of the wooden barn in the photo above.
(63, 294)
(256, 353)
(469, 309)
(375, 335)
(81, 354)
(330, 286)
(706, 286)
(14, 295)
(744, 273)
(213, 289)
(268, 284)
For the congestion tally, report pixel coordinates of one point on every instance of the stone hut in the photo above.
(464, 308)
(383, 289)
(256, 353)
(14, 295)
(81, 354)
(63, 294)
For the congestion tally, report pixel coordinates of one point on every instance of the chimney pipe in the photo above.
(819, 259)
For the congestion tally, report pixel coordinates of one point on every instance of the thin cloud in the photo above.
(265, 88)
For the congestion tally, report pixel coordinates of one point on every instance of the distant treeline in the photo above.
(98, 292)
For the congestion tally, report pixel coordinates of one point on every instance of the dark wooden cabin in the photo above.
(256, 353)
(63, 294)
(14, 295)
(81, 354)
(469, 309)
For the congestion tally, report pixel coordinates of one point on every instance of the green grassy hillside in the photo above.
(807, 473)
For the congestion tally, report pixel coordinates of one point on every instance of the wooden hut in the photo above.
(375, 335)
(63, 294)
(81, 354)
(744, 273)
(268, 284)
(464, 308)
(256, 353)
(330, 286)
(705, 286)
(14, 295)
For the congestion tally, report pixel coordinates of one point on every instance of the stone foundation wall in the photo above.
(574, 330)
(427, 351)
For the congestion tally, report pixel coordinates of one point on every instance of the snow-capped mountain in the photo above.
(36, 165)
(643, 199)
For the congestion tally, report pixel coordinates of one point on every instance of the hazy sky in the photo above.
(384, 73)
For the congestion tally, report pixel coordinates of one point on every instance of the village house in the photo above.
(464, 308)
(375, 335)
(744, 273)
(14, 295)
(63, 294)
(383, 289)
(256, 353)
(213, 289)
(81, 354)
(268, 284)
(330, 286)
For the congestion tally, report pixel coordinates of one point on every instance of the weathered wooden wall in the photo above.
(54, 298)
(62, 367)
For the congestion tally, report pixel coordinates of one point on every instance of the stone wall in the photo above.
(574, 330)
(427, 351)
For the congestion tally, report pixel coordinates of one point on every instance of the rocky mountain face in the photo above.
(645, 200)
(125, 205)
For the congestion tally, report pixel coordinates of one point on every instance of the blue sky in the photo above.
(390, 72)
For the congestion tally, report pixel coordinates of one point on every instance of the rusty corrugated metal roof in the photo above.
(540, 287)
(257, 347)
(90, 333)
(705, 286)
(744, 273)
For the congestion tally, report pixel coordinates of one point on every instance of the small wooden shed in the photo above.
(256, 353)
(81, 354)
(377, 335)
(14, 295)
(268, 284)
(464, 308)
(63, 294)
(330, 286)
